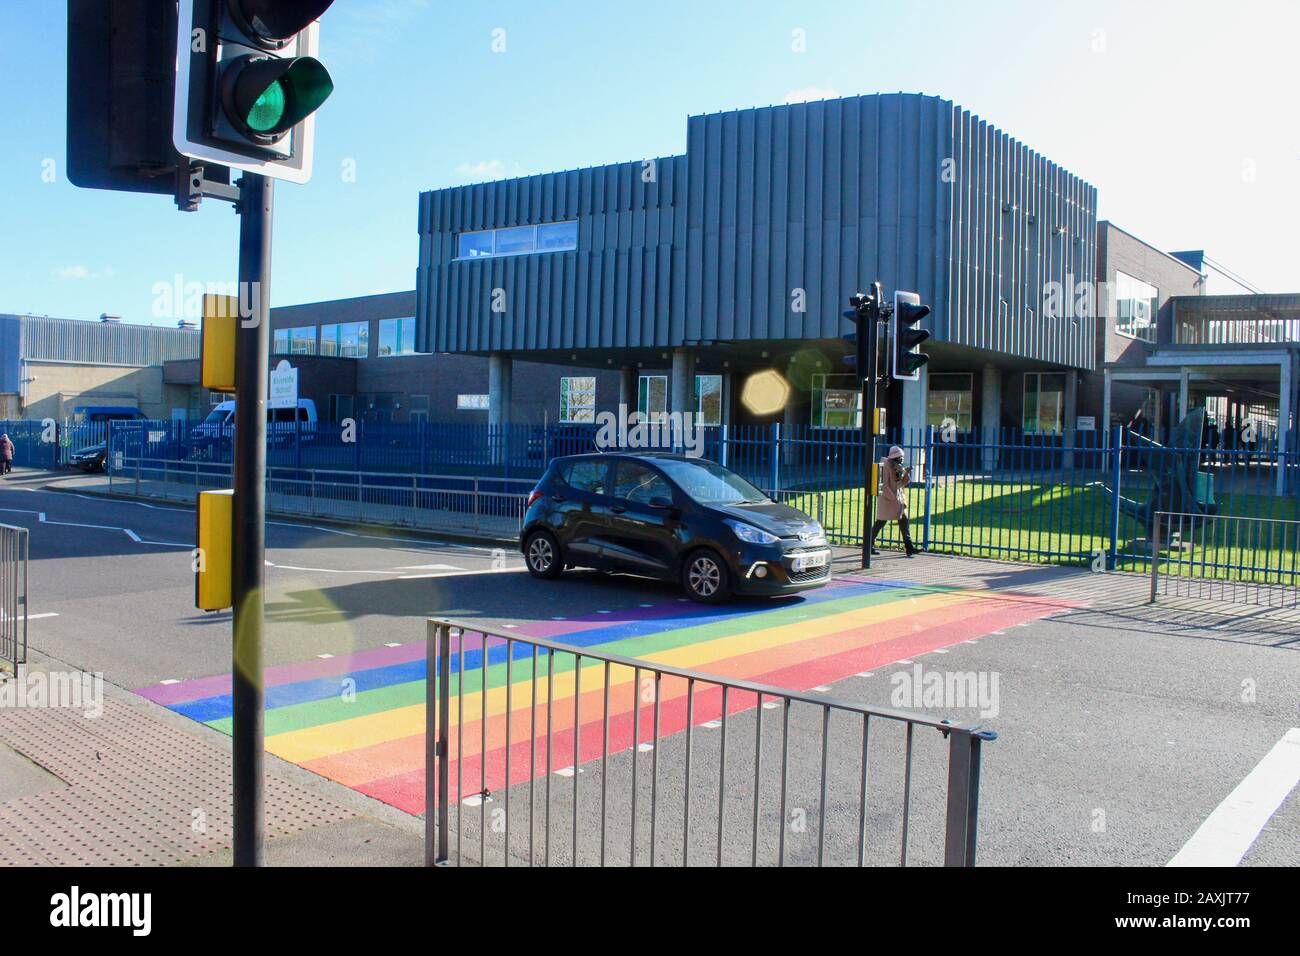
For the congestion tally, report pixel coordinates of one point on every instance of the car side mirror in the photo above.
(660, 502)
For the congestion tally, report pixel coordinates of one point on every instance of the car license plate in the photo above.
(806, 562)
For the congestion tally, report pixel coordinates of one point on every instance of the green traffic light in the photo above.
(268, 109)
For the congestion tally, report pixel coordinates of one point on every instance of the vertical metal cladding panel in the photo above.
(105, 343)
(829, 196)
(610, 292)
(1025, 222)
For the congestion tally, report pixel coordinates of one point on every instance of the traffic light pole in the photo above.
(869, 432)
(248, 567)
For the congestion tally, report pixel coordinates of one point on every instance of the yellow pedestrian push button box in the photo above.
(212, 563)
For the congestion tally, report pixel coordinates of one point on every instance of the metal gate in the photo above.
(13, 595)
(619, 761)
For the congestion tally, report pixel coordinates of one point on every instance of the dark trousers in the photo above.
(902, 530)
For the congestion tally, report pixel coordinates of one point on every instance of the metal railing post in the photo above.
(1116, 475)
(437, 701)
(963, 794)
(1155, 557)
(476, 505)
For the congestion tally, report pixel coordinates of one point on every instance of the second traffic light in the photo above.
(864, 313)
(905, 356)
(248, 84)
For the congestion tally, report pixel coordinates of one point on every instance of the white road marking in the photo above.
(1235, 824)
(170, 680)
(712, 724)
(33, 617)
(430, 567)
(567, 771)
(863, 674)
(939, 650)
(822, 688)
(645, 748)
(41, 517)
(391, 644)
(325, 657)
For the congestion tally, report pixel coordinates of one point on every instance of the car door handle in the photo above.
(557, 497)
(617, 509)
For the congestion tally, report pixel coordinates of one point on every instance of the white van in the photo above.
(220, 423)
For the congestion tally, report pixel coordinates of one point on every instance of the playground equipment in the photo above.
(1177, 483)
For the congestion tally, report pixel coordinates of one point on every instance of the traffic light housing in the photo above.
(905, 356)
(248, 84)
(121, 77)
(863, 312)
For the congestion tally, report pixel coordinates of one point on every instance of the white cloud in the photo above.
(489, 169)
(80, 272)
(809, 93)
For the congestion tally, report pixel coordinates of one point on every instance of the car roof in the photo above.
(632, 455)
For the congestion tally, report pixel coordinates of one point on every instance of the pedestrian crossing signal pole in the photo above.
(866, 312)
(248, 564)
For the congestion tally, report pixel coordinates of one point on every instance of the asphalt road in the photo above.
(1116, 741)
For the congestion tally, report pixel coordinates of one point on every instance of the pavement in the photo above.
(1123, 728)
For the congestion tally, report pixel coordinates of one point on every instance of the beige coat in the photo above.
(892, 502)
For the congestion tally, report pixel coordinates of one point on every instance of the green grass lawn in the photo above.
(1070, 524)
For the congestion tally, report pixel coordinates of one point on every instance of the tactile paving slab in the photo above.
(139, 792)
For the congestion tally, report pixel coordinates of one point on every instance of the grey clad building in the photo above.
(695, 277)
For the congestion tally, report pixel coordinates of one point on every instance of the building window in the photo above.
(349, 339)
(397, 336)
(951, 399)
(652, 396)
(518, 240)
(708, 399)
(1044, 409)
(474, 403)
(578, 399)
(419, 409)
(836, 402)
(341, 407)
(1136, 303)
(296, 341)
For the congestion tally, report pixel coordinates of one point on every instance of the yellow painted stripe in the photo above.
(310, 743)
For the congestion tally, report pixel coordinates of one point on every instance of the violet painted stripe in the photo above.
(199, 687)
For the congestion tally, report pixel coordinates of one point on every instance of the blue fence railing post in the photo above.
(774, 459)
(929, 483)
(1116, 474)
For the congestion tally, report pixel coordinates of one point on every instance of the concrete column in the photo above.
(1184, 388)
(1104, 424)
(500, 388)
(681, 386)
(1284, 440)
(1071, 415)
(990, 414)
(500, 395)
(913, 423)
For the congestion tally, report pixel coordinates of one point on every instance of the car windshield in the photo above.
(710, 484)
(215, 417)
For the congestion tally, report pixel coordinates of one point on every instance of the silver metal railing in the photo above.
(431, 502)
(13, 594)
(1226, 559)
(801, 789)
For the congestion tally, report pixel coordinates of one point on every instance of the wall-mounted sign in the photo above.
(1086, 423)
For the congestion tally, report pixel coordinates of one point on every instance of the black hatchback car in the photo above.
(671, 517)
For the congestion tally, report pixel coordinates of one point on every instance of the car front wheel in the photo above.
(705, 577)
(542, 555)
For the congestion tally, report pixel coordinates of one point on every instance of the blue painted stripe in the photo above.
(207, 709)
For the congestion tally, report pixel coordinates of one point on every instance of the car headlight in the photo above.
(747, 532)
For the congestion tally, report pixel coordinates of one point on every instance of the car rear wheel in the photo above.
(705, 577)
(542, 555)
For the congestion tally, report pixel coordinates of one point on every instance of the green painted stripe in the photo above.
(313, 713)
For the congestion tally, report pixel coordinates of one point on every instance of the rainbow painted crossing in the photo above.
(359, 719)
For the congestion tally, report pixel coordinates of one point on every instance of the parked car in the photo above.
(671, 517)
(90, 458)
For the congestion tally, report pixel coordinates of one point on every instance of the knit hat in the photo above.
(895, 452)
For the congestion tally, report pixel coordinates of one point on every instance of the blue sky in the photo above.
(1182, 114)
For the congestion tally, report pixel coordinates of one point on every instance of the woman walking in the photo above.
(6, 454)
(891, 505)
